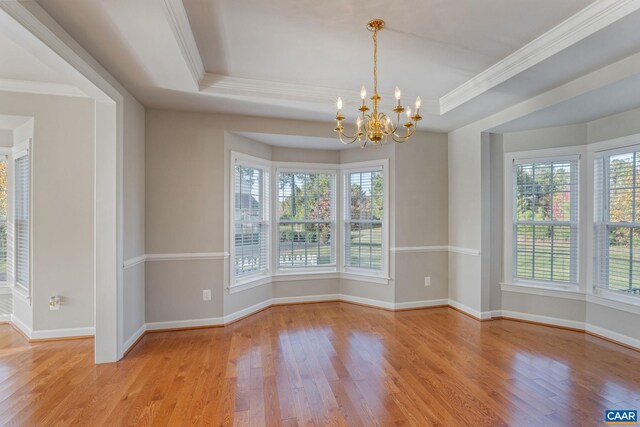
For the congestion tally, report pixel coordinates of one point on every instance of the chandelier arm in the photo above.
(402, 138)
(346, 139)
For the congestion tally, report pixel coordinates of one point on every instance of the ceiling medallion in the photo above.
(376, 127)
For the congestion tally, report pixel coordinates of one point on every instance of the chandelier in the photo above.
(376, 127)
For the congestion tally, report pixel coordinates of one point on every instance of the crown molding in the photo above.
(217, 84)
(43, 88)
(179, 23)
(586, 22)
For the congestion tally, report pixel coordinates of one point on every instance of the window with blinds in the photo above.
(3, 219)
(617, 221)
(250, 220)
(364, 211)
(545, 220)
(306, 220)
(21, 220)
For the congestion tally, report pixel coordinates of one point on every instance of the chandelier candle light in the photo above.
(376, 127)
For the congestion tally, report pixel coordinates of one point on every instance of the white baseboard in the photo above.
(62, 333)
(246, 311)
(306, 298)
(615, 336)
(26, 330)
(367, 301)
(136, 335)
(174, 324)
(421, 304)
(555, 321)
(4, 318)
(482, 315)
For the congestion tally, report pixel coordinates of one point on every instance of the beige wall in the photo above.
(62, 206)
(187, 185)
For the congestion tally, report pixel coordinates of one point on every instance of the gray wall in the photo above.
(133, 177)
(187, 185)
(63, 208)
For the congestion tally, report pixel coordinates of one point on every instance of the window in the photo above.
(3, 219)
(364, 212)
(617, 221)
(306, 220)
(21, 213)
(250, 220)
(545, 220)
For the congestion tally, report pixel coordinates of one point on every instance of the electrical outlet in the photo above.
(427, 281)
(54, 303)
(206, 295)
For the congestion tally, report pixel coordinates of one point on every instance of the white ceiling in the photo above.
(11, 122)
(294, 141)
(18, 64)
(290, 58)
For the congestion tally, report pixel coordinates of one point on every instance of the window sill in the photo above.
(558, 291)
(249, 283)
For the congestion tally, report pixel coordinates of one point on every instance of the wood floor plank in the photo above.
(326, 364)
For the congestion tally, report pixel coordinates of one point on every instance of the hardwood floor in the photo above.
(326, 364)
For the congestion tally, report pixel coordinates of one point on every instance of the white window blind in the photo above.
(21, 220)
(545, 220)
(3, 219)
(306, 219)
(617, 222)
(364, 210)
(251, 220)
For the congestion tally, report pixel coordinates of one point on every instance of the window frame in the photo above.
(7, 157)
(21, 150)
(539, 156)
(264, 165)
(601, 218)
(368, 166)
(306, 168)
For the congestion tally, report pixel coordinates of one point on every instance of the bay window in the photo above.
(544, 220)
(364, 216)
(22, 218)
(306, 220)
(250, 203)
(617, 221)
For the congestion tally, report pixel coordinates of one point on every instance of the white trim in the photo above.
(26, 330)
(218, 84)
(295, 277)
(21, 293)
(179, 23)
(470, 311)
(5, 318)
(62, 333)
(437, 248)
(133, 338)
(421, 304)
(6, 290)
(380, 280)
(173, 324)
(621, 305)
(249, 283)
(546, 291)
(193, 256)
(540, 319)
(247, 311)
(606, 333)
(419, 249)
(132, 262)
(464, 251)
(586, 22)
(367, 301)
(42, 88)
